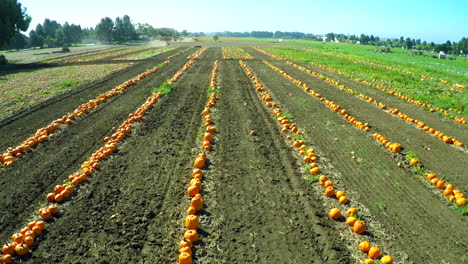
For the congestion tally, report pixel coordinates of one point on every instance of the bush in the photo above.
(3, 60)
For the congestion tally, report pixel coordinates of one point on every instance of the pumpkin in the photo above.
(351, 212)
(184, 243)
(191, 210)
(6, 249)
(374, 253)
(192, 190)
(334, 213)
(18, 237)
(199, 162)
(460, 201)
(386, 260)
(45, 214)
(191, 235)
(196, 172)
(207, 136)
(41, 225)
(440, 184)
(197, 202)
(369, 261)
(339, 194)
(364, 246)
(185, 258)
(329, 191)
(314, 171)
(359, 227)
(351, 220)
(53, 209)
(328, 183)
(186, 249)
(28, 240)
(7, 258)
(21, 249)
(413, 162)
(37, 230)
(343, 200)
(191, 222)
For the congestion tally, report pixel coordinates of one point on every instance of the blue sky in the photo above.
(430, 20)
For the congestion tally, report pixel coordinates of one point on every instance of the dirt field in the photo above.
(260, 206)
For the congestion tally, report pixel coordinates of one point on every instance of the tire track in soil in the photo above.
(442, 158)
(15, 129)
(263, 210)
(417, 222)
(128, 213)
(51, 163)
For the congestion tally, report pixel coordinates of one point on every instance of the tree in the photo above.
(105, 29)
(50, 27)
(35, 40)
(184, 33)
(124, 29)
(215, 38)
(408, 43)
(363, 39)
(13, 19)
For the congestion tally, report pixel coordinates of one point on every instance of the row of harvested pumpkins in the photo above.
(358, 226)
(43, 134)
(396, 147)
(382, 106)
(196, 54)
(382, 88)
(378, 86)
(392, 146)
(453, 195)
(236, 53)
(23, 240)
(428, 129)
(195, 184)
(330, 104)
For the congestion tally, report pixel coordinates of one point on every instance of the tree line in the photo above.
(407, 43)
(14, 20)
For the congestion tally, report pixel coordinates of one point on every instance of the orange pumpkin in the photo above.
(184, 243)
(460, 201)
(374, 253)
(7, 258)
(386, 260)
(21, 249)
(334, 213)
(314, 171)
(53, 209)
(339, 194)
(199, 162)
(28, 240)
(343, 200)
(45, 214)
(359, 227)
(351, 220)
(369, 261)
(413, 162)
(192, 190)
(191, 222)
(351, 212)
(197, 202)
(18, 237)
(329, 191)
(364, 246)
(191, 235)
(191, 210)
(185, 258)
